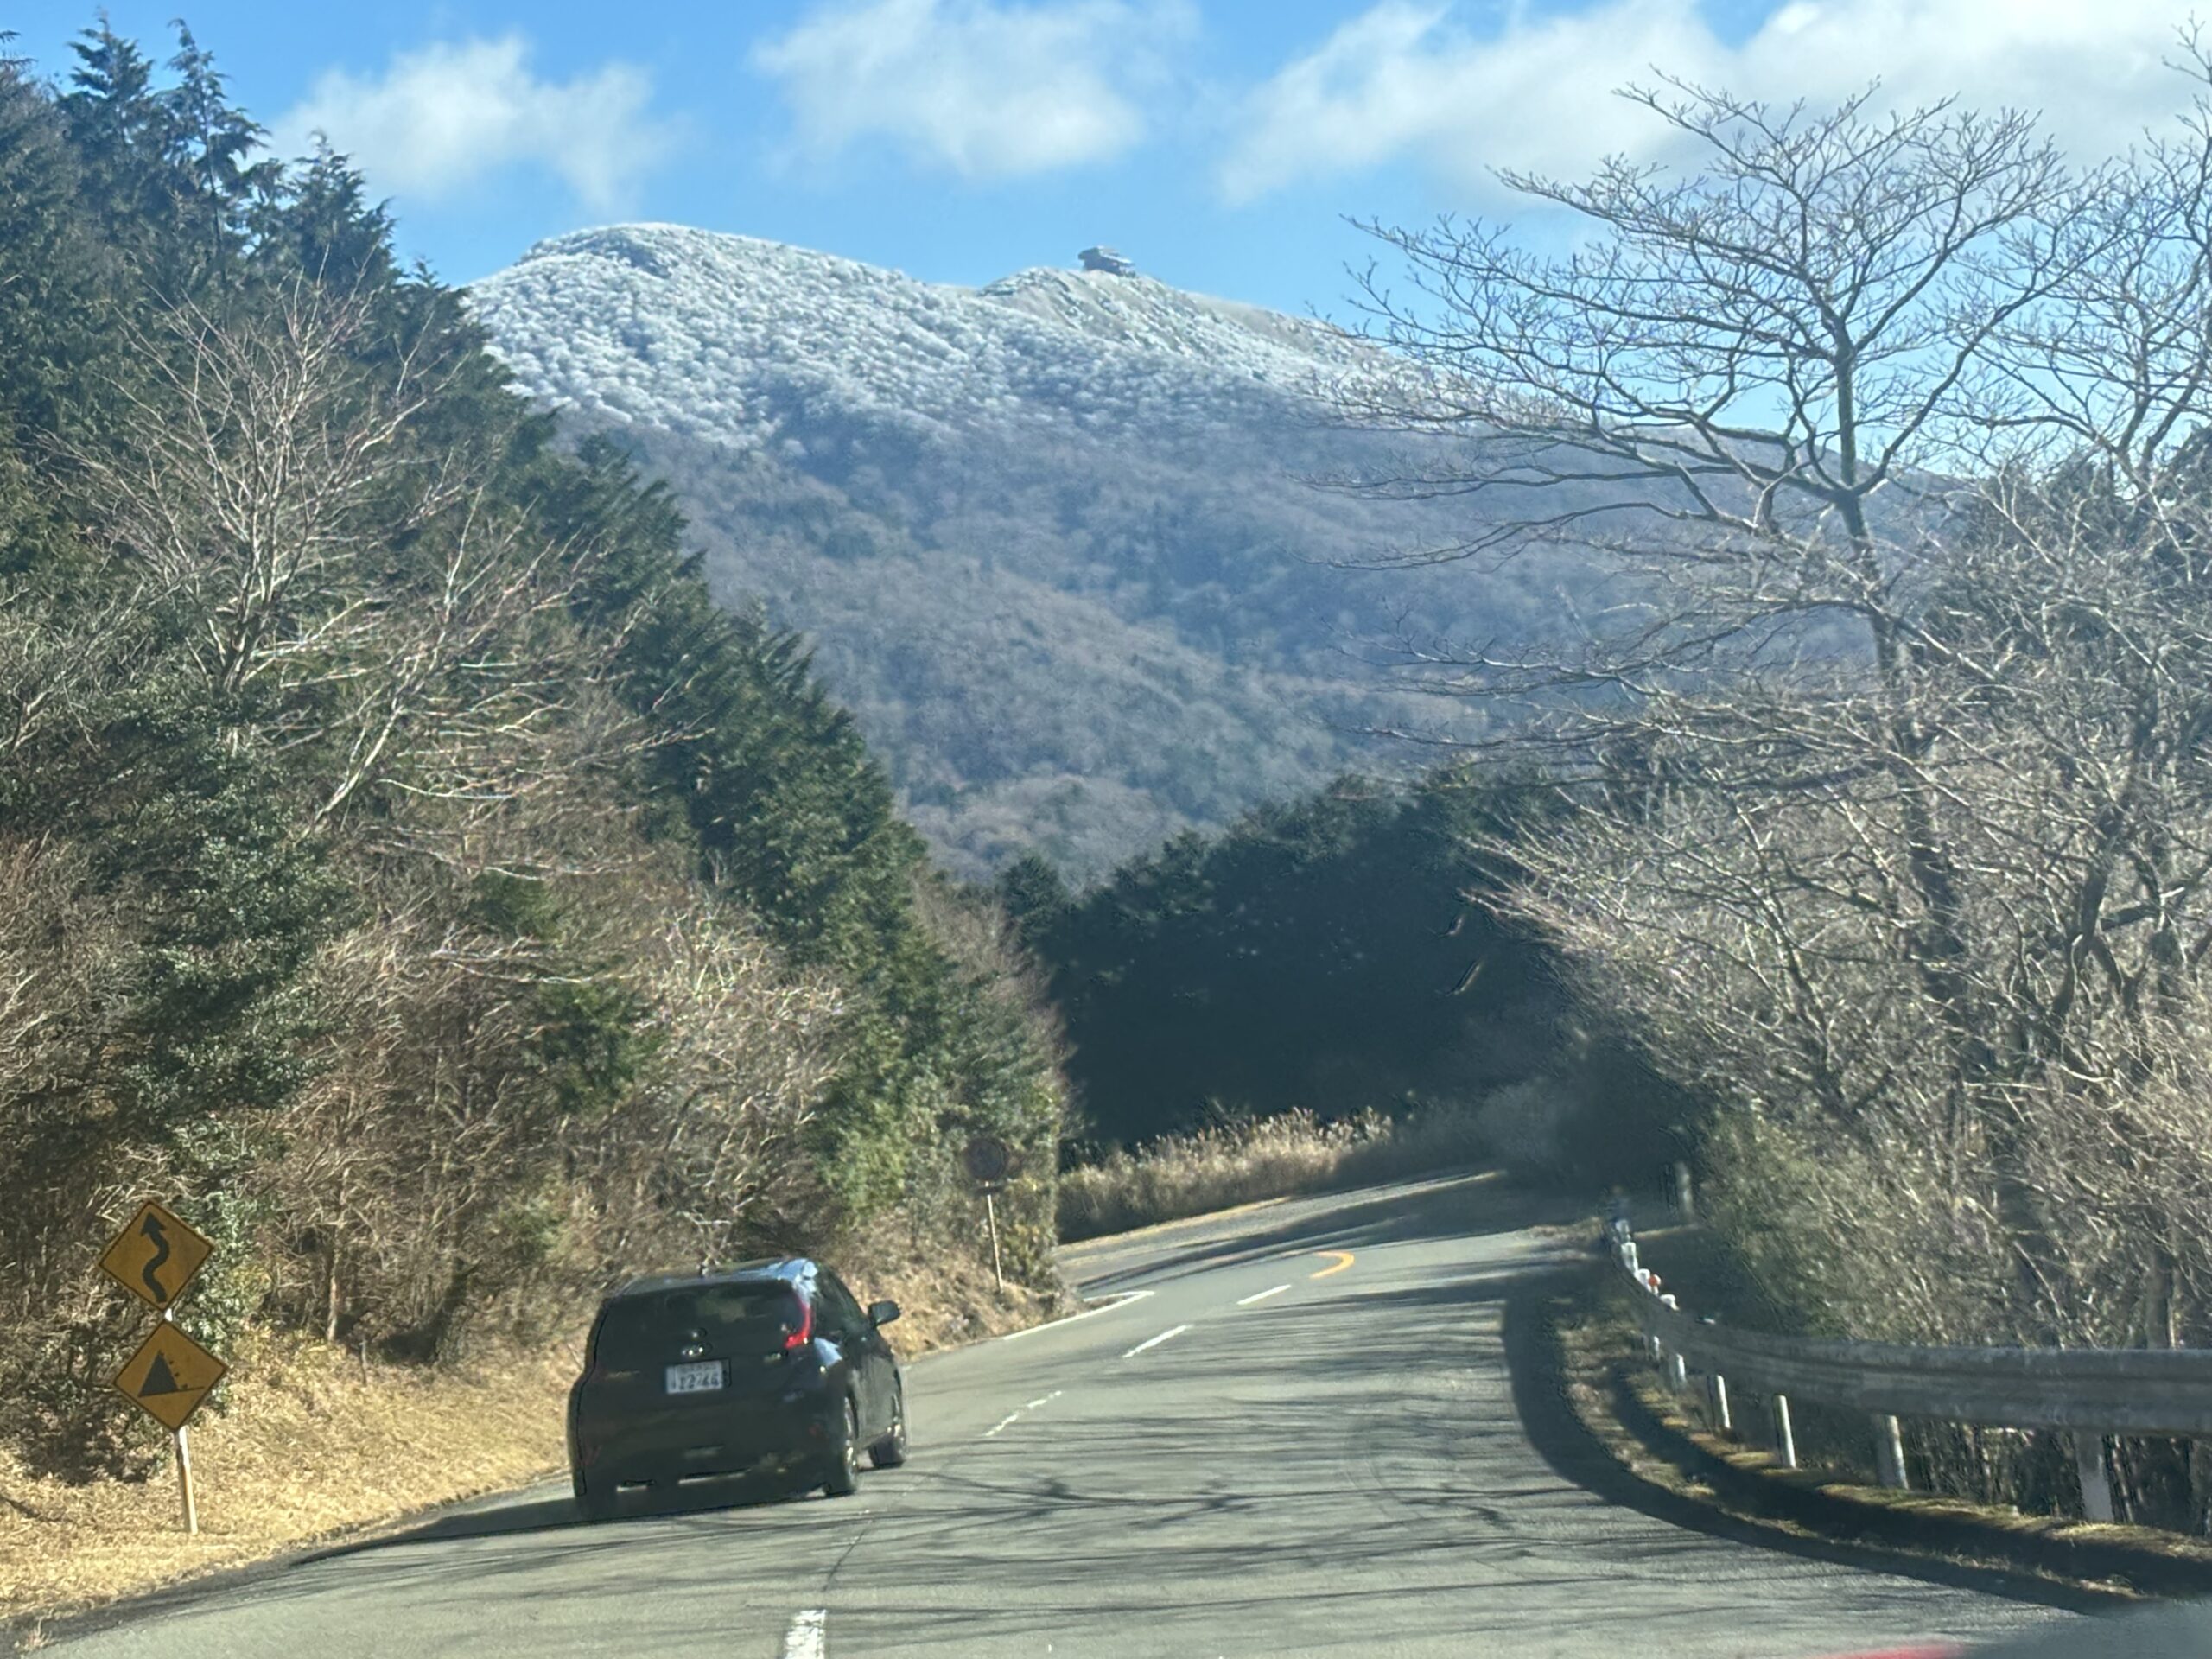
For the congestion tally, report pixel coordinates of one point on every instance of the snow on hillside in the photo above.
(720, 338)
(1046, 537)
(1141, 312)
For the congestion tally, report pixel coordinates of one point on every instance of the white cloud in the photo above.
(447, 116)
(1410, 80)
(985, 90)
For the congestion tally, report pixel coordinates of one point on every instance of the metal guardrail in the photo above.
(2091, 1392)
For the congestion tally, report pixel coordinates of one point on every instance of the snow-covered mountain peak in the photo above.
(1046, 537)
(1141, 312)
(737, 340)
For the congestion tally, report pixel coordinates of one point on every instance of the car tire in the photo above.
(592, 1502)
(844, 1476)
(891, 1451)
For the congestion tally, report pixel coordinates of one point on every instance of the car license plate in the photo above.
(702, 1378)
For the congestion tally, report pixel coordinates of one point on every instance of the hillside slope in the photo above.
(1054, 539)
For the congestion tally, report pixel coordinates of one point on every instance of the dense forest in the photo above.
(406, 869)
(1340, 954)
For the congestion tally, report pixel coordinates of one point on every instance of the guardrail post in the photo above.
(1716, 1387)
(2096, 1484)
(1785, 1440)
(1888, 1450)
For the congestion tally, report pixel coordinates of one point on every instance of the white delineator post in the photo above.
(1678, 1369)
(1652, 1345)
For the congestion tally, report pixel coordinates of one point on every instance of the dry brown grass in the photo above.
(945, 1294)
(306, 1450)
(1219, 1168)
(309, 1450)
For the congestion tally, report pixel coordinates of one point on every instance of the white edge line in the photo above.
(807, 1637)
(1122, 1300)
(1261, 1296)
(1003, 1422)
(1046, 1401)
(1155, 1342)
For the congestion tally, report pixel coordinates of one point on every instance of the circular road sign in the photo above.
(990, 1159)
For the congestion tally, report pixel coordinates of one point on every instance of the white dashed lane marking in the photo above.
(1260, 1296)
(1155, 1342)
(809, 1636)
(1012, 1417)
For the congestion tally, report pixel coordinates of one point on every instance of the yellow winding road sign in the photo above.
(156, 1256)
(169, 1376)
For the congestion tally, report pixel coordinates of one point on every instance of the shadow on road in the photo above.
(559, 1513)
(1476, 1204)
(1569, 1449)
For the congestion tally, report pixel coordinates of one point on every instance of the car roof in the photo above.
(796, 1271)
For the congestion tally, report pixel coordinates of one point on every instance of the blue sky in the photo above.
(1219, 143)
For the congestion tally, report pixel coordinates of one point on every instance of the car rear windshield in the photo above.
(724, 1319)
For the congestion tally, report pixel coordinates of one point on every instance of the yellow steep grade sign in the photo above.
(169, 1376)
(156, 1256)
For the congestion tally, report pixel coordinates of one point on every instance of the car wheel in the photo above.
(592, 1502)
(844, 1478)
(891, 1451)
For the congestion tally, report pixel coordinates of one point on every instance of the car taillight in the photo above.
(798, 1339)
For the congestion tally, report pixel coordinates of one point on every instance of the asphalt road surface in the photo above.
(1298, 1436)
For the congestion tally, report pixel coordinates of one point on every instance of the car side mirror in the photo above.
(882, 1313)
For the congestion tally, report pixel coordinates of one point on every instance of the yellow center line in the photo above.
(1343, 1259)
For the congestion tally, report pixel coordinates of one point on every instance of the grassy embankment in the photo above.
(309, 1449)
(1213, 1169)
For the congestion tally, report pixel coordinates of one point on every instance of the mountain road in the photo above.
(1296, 1429)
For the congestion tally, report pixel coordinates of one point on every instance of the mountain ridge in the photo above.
(1050, 538)
(728, 309)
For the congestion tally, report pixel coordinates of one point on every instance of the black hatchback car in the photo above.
(766, 1368)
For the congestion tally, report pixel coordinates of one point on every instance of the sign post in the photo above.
(154, 1258)
(990, 1161)
(991, 1219)
(190, 1505)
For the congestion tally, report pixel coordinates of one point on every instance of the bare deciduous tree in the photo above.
(1886, 755)
(359, 594)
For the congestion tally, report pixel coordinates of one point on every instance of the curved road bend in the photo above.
(1300, 1440)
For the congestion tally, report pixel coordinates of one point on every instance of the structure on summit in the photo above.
(1106, 259)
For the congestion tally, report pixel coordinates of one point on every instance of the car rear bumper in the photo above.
(746, 1436)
